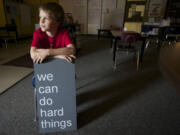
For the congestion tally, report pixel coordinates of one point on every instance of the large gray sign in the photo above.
(56, 96)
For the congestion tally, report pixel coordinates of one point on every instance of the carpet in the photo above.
(125, 102)
(10, 75)
(23, 61)
(15, 70)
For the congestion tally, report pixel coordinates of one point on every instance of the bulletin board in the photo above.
(135, 11)
(20, 14)
(11, 11)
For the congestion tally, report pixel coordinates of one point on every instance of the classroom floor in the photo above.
(14, 50)
(122, 102)
(10, 75)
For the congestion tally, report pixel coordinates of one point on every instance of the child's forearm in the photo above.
(38, 55)
(32, 51)
(69, 58)
(70, 50)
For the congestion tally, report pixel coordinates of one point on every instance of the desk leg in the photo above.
(0, 44)
(159, 44)
(114, 48)
(16, 37)
(142, 49)
(114, 53)
(111, 44)
(99, 31)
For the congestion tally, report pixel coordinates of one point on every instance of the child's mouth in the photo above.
(42, 26)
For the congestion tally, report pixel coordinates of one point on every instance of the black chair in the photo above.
(171, 34)
(10, 33)
(105, 32)
(127, 45)
(151, 33)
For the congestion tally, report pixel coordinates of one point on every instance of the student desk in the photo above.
(108, 31)
(168, 33)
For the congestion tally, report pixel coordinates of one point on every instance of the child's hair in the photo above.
(54, 10)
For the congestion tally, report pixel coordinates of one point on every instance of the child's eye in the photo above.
(45, 18)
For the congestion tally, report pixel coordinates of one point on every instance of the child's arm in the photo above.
(69, 50)
(66, 57)
(38, 55)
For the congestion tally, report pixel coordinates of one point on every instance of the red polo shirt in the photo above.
(42, 40)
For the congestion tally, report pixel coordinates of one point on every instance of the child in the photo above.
(51, 39)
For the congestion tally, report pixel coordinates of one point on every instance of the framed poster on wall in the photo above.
(155, 8)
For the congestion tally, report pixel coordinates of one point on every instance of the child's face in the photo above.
(46, 22)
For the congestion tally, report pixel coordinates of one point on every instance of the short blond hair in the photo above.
(54, 10)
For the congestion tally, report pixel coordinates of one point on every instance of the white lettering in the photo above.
(43, 101)
(49, 77)
(51, 113)
(48, 89)
(44, 77)
(53, 124)
(41, 88)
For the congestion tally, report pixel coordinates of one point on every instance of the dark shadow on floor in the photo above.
(112, 95)
(23, 61)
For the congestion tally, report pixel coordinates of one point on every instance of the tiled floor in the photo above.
(10, 75)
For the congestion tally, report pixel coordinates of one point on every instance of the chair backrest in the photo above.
(172, 30)
(11, 28)
(130, 37)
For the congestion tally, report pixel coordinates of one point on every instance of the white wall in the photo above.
(113, 13)
(67, 5)
(80, 13)
(94, 14)
(78, 8)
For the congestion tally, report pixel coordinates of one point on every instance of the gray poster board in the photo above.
(56, 96)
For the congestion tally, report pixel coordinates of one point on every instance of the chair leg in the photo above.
(99, 34)
(147, 44)
(5, 43)
(115, 62)
(138, 61)
(16, 41)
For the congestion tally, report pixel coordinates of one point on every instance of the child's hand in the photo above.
(39, 55)
(42, 54)
(69, 58)
(35, 56)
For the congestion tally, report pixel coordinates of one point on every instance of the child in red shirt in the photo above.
(51, 39)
